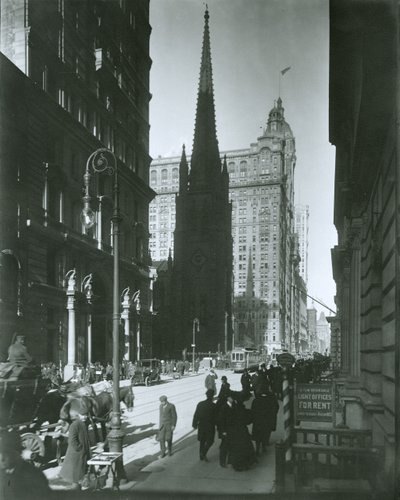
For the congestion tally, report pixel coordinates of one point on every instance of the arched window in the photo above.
(231, 167)
(164, 176)
(153, 177)
(243, 168)
(175, 174)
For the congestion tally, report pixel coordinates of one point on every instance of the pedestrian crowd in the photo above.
(230, 418)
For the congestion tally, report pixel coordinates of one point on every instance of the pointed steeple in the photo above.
(183, 172)
(205, 163)
(249, 281)
(170, 260)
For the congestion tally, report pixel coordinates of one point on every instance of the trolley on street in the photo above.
(243, 357)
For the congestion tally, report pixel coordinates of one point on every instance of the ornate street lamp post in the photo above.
(87, 289)
(196, 326)
(99, 162)
(136, 301)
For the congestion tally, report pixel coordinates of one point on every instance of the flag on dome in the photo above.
(285, 70)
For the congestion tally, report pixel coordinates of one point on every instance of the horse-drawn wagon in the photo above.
(20, 401)
(35, 410)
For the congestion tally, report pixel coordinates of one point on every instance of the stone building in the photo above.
(302, 213)
(364, 118)
(72, 83)
(202, 269)
(261, 192)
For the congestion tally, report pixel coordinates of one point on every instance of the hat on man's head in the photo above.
(223, 377)
(163, 398)
(209, 393)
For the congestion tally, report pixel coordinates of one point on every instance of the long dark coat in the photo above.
(264, 410)
(78, 453)
(204, 420)
(241, 451)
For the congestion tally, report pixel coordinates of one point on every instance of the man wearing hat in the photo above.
(168, 418)
(204, 420)
(18, 353)
(19, 479)
(209, 381)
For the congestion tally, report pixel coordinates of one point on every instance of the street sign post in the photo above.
(286, 361)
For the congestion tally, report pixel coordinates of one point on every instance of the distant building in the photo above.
(312, 329)
(323, 334)
(70, 84)
(301, 227)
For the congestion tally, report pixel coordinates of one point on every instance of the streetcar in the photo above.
(243, 357)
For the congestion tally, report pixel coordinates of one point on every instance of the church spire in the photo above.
(183, 172)
(249, 281)
(205, 162)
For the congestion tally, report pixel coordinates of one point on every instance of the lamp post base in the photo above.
(115, 438)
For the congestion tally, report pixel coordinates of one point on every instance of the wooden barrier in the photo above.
(349, 468)
(329, 460)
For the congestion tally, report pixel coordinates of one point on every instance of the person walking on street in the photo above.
(224, 390)
(245, 380)
(264, 410)
(74, 467)
(168, 419)
(261, 381)
(241, 451)
(210, 381)
(224, 417)
(204, 420)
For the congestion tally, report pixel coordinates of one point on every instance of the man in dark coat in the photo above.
(264, 410)
(224, 417)
(74, 467)
(19, 479)
(225, 389)
(245, 380)
(204, 420)
(261, 382)
(168, 419)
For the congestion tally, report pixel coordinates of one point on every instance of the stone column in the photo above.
(71, 291)
(136, 300)
(126, 304)
(87, 288)
(345, 339)
(355, 305)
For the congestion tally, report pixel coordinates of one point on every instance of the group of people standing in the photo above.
(230, 418)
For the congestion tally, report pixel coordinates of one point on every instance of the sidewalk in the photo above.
(185, 472)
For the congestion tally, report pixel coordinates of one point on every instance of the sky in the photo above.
(251, 42)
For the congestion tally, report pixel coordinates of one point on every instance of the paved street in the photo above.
(183, 471)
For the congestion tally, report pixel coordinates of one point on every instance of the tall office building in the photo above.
(72, 83)
(302, 213)
(202, 267)
(265, 250)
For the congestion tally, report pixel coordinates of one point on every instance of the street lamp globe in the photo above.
(88, 217)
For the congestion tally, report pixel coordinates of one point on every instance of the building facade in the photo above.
(302, 213)
(202, 268)
(364, 90)
(261, 191)
(72, 84)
